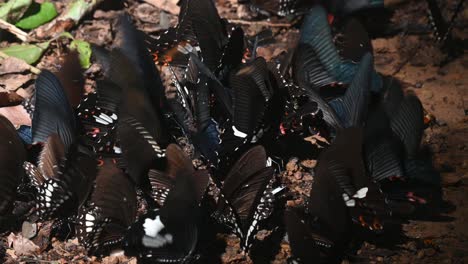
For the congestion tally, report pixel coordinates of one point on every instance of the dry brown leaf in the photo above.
(22, 245)
(17, 115)
(169, 6)
(317, 140)
(12, 82)
(10, 99)
(13, 65)
(26, 92)
(310, 164)
(11, 253)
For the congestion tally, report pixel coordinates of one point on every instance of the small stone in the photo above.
(420, 254)
(418, 85)
(29, 230)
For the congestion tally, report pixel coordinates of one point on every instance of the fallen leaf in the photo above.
(21, 245)
(317, 140)
(36, 15)
(310, 164)
(11, 11)
(13, 65)
(84, 52)
(12, 254)
(10, 99)
(17, 115)
(169, 6)
(11, 82)
(26, 92)
(30, 53)
(43, 236)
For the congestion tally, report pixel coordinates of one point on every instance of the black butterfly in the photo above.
(317, 62)
(162, 182)
(246, 196)
(192, 110)
(442, 29)
(348, 7)
(63, 182)
(66, 167)
(281, 7)
(13, 155)
(199, 29)
(170, 234)
(251, 91)
(53, 114)
(110, 210)
(140, 128)
(393, 154)
(322, 234)
(97, 113)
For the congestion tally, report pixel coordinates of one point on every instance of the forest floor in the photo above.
(414, 59)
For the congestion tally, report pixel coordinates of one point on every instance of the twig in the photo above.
(31, 68)
(20, 34)
(258, 23)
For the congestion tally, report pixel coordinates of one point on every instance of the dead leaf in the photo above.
(10, 99)
(310, 164)
(12, 254)
(169, 6)
(22, 245)
(26, 92)
(11, 82)
(13, 65)
(17, 115)
(317, 140)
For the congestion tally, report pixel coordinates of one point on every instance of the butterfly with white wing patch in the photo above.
(246, 196)
(170, 234)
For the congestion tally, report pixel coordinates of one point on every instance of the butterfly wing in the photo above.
(53, 113)
(112, 209)
(12, 157)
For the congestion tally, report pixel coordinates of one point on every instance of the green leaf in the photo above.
(37, 14)
(77, 9)
(67, 35)
(14, 10)
(84, 52)
(30, 53)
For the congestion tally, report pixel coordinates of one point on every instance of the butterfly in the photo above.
(317, 62)
(393, 153)
(66, 168)
(140, 127)
(97, 113)
(281, 7)
(110, 210)
(13, 155)
(246, 198)
(252, 88)
(442, 29)
(170, 234)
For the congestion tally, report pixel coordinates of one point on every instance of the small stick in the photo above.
(20, 34)
(259, 23)
(31, 68)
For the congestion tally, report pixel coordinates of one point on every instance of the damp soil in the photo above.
(411, 57)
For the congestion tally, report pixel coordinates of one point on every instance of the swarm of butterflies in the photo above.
(156, 168)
